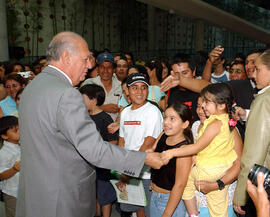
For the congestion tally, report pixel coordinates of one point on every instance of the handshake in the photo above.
(157, 160)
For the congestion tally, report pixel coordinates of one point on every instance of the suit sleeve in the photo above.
(257, 140)
(75, 124)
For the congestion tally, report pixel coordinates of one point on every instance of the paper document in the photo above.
(132, 193)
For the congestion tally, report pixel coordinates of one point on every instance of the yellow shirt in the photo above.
(220, 151)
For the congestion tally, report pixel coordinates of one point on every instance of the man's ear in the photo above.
(94, 101)
(4, 136)
(66, 57)
(223, 61)
(194, 72)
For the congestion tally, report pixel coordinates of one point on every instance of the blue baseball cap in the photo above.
(105, 57)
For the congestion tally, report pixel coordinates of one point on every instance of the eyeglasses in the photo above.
(238, 71)
(12, 86)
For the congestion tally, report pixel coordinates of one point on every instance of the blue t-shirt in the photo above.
(220, 78)
(9, 107)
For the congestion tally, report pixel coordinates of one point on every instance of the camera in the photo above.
(252, 176)
(25, 74)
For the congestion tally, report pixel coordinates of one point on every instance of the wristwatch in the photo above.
(220, 184)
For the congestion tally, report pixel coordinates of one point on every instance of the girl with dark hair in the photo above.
(169, 181)
(154, 69)
(214, 148)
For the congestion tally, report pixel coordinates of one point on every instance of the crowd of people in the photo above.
(189, 129)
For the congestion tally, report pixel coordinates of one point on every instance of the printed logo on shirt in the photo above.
(189, 104)
(132, 122)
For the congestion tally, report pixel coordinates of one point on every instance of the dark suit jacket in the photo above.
(243, 92)
(60, 144)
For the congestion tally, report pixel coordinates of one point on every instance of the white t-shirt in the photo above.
(137, 124)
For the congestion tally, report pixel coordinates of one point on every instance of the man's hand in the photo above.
(239, 114)
(238, 209)
(170, 82)
(124, 178)
(110, 108)
(167, 156)
(16, 166)
(259, 196)
(113, 127)
(206, 187)
(153, 159)
(215, 53)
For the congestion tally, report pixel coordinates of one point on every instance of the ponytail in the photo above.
(188, 135)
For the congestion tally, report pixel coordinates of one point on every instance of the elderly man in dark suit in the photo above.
(60, 143)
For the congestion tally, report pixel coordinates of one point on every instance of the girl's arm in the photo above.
(183, 166)
(153, 148)
(147, 143)
(121, 142)
(211, 131)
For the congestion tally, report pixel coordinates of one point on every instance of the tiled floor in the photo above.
(2, 211)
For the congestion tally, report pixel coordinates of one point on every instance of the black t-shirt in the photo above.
(102, 120)
(186, 97)
(165, 176)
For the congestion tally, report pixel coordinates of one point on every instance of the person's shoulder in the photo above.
(215, 124)
(196, 124)
(151, 107)
(235, 83)
(5, 100)
(263, 98)
(154, 87)
(126, 109)
(6, 150)
(116, 82)
(106, 117)
(95, 80)
(214, 120)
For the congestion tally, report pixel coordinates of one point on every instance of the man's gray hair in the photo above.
(64, 41)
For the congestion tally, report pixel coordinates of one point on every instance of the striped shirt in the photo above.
(9, 154)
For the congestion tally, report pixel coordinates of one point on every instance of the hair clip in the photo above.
(232, 122)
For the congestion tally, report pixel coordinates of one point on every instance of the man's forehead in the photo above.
(106, 63)
(181, 66)
(121, 61)
(253, 56)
